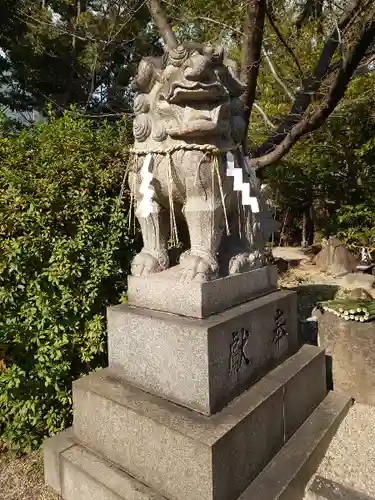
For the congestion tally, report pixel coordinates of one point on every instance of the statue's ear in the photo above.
(148, 72)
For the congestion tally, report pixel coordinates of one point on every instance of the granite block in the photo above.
(254, 326)
(202, 364)
(163, 292)
(52, 449)
(288, 473)
(87, 476)
(351, 346)
(175, 450)
(78, 485)
(305, 386)
(229, 351)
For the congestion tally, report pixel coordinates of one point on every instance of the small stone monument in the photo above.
(206, 380)
(335, 258)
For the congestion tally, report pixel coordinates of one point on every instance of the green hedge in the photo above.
(64, 254)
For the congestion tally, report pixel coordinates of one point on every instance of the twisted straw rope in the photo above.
(206, 148)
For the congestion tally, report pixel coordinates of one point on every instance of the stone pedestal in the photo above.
(351, 347)
(193, 407)
(163, 292)
(202, 364)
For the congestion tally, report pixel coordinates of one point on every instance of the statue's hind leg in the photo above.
(255, 228)
(248, 253)
(235, 247)
(153, 258)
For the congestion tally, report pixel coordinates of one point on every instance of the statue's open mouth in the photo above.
(195, 91)
(195, 122)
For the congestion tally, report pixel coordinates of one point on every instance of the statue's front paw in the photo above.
(197, 267)
(146, 263)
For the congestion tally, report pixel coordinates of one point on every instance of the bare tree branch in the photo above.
(335, 94)
(161, 21)
(282, 40)
(312, 84)
(276, 75)
(311, 9)
(252, 47)
(340, 42)
(366, 67)
(263, 115)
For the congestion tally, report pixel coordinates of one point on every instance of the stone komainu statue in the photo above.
(187, 167)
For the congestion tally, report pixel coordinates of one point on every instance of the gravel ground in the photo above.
(350, 458)
(22, 478)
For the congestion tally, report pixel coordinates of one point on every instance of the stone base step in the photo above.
(286, 476)
(174, 450)
(165, 292)
(77, 473)
(202, 364)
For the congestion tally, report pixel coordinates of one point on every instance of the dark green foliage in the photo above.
(64, 52)
(356, 217)
(64, 255)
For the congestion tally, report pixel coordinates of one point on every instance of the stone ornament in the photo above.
(187, 169)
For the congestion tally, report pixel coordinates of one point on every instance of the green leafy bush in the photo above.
(64, 255)
(357, 218)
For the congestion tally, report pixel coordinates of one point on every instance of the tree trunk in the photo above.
(336, 92)
(252, 49)
(162, 24)
(298, 123)
(307, 227)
